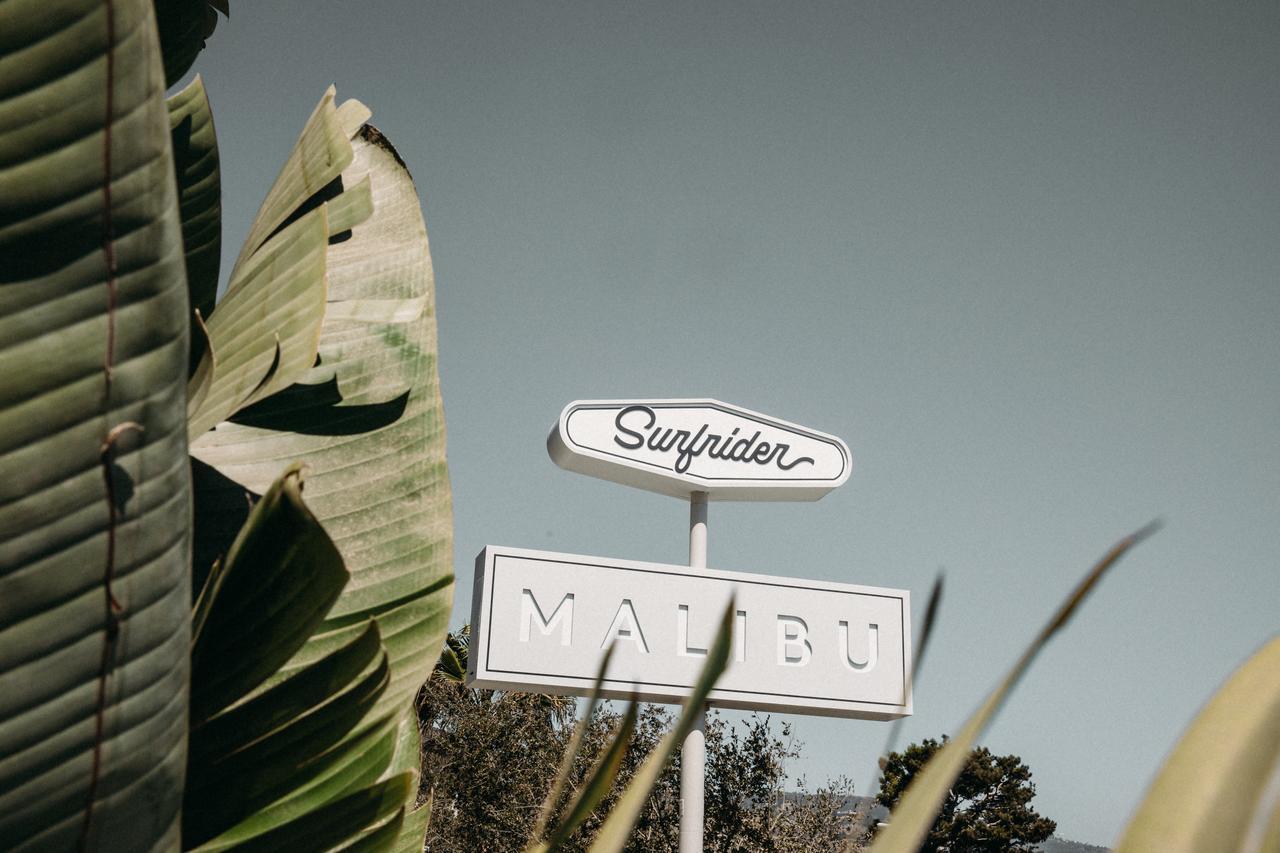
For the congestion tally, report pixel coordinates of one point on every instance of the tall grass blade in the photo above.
(599, 782)
(915, 814)
(613, 834)
(926, 632)
(571, 752)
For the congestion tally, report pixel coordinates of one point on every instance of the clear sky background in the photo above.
(1023, 258)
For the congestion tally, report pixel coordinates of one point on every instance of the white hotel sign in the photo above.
(542, 620)
(677, 447)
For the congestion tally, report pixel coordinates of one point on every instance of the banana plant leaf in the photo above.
(413, 830)
(301, 755)
(94, 481)
(262, 336)
(1217, 790)
(195, 161)
(361, 759)
(281, 577)
(184, 27)
(368, 421)
(329, 829)
(263, 759)
(383, 838)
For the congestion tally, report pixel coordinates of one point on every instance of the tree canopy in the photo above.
(491, 757)
(987, 809)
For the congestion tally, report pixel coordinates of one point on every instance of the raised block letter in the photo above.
(683, 649)
(562, 616)
(873, 648)
(625, 626)
(793, 648)
(740, 635)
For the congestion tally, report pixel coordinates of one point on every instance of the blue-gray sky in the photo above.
(1023, 258)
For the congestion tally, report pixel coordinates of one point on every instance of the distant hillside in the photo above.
(1062, 845)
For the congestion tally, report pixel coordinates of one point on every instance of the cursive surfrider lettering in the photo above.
(639, 426)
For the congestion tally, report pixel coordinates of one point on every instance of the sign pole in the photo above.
(693, 754)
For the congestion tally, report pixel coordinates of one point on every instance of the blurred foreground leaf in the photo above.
(1216, 790)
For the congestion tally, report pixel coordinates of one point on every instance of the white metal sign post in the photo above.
(703, 449)
(541, 620)
(693, 752)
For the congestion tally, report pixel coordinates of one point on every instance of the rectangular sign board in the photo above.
(540, 622)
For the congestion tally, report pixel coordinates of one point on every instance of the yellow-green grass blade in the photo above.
(599, 782)
(927, 625)
(915, 813)
(1216, 790)
(94, 484)
(571, 751)
(617, 826)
